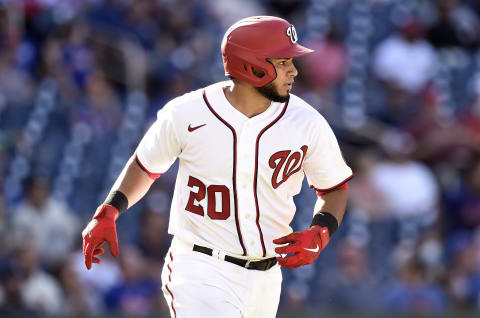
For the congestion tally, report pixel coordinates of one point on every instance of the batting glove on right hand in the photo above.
(304, 245)
(101, 229)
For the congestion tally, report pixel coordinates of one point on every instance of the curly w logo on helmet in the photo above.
(292, 33)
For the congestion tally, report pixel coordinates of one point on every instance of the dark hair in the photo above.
(34, 180)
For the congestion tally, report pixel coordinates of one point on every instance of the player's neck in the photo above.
(246, 99)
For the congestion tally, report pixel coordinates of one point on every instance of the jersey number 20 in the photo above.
(211, 193)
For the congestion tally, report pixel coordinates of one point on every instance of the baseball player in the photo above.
(244, 146)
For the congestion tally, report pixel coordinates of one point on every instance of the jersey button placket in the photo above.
(245, 174)
(241, 189)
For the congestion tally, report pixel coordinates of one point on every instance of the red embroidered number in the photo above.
(195, 196)
(210, 192)
(212, 213)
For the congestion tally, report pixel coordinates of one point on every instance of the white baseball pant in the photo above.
(199, 285)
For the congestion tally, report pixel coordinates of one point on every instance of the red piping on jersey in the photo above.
(152, 175)
(255, 174)
(166, 285)
(342, 185)
(234, 174)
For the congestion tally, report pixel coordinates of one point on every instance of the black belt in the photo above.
(263, 265)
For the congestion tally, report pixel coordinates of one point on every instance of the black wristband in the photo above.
(118, 200)
(326, 219)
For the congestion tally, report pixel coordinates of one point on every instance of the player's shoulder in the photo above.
(297, 104)
(186, 100)
(299, 107)
(301, 114)
(192, 101)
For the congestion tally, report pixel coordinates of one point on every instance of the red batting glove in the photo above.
(305, 245)
(101, 229)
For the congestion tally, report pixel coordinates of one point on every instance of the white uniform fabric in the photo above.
(198, 285)
(238, 175)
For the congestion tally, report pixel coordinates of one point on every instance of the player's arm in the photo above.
(134, 182)
(156, 152)
(334, 203)
(324, 166)
(131, 185)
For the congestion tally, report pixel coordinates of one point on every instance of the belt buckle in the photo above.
(218, 254)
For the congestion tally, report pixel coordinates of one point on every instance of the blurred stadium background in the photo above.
(399, 80)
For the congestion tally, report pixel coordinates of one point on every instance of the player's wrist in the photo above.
(117, 200)
(325, 219)
(107, 211)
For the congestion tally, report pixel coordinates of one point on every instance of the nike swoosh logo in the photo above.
(190, 128)
(314, 250)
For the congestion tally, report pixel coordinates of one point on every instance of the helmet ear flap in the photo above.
(257, 72)
(244, 65)
(253, 71)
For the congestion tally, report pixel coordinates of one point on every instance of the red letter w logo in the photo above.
(290, 164)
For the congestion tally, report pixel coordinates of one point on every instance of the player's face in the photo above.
(278, 90)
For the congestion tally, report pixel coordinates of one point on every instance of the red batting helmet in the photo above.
(249, 42)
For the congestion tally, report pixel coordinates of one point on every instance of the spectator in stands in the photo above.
(469, 271)
(154, 241)
(351, 285)
(141, 22)
(17, 87)
(470, 117)
(102, 106)
(456, 24)
(44, 222)
(463, 281)
(326, 68)
(137, 293)
(463, 204)
(39, 291)
(107, 275)
(431, 254)
(76, 54)
(439, 138)
(10, 290)
(75, 300)
(329, 64)
(405, 61)
(405, 64)
(370, 219)
(408, 186)
(411, 291)
(366, 200)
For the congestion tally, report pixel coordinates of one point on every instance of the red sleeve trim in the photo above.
(152, 175)
(341, 186)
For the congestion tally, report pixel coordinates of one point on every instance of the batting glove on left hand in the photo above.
(305, 245)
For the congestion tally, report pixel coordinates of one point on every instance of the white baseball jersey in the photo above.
(237, 175)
